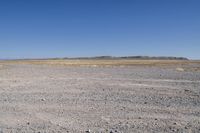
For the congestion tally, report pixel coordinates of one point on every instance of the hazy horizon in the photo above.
(101, 56)
(85, 28)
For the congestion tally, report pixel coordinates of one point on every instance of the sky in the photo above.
(77, 28)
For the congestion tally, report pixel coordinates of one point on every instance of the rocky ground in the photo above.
(131, 99)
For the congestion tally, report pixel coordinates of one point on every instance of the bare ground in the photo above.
(123, 99)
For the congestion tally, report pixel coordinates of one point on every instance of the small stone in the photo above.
(139, 118)
(180, 69)
(42, 99)
(88, 131)
(28, 123)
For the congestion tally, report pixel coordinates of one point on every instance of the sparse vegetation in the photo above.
(103, 62)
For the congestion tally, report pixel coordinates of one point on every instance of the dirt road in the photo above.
(139, 99)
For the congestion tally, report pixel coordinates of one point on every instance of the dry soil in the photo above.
(121, 99)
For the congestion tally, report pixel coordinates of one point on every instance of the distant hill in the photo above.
(133, 57)
(109, 58)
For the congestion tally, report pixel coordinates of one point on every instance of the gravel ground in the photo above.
(134, 99)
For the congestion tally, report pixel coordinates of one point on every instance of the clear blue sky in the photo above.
(71, 28)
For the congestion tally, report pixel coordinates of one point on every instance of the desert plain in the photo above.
(99, 96)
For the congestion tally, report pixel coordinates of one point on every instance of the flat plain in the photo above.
(122, 96)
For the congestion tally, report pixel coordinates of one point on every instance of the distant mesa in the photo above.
(133, 57)
(109, 58)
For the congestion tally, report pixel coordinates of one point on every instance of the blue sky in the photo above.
(73, 28)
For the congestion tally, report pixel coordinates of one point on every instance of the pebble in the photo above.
(42, 99)
(88, 131)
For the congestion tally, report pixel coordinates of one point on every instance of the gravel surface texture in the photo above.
(129, 99)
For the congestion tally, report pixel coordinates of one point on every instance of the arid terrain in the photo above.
(99, 96)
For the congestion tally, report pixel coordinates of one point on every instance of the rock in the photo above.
(180, 69)
(186, 90)
(42, 99)
(88, 131)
